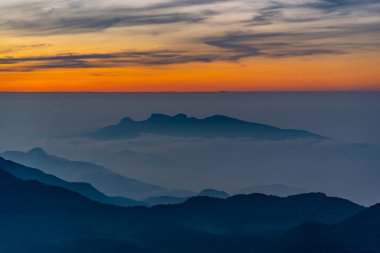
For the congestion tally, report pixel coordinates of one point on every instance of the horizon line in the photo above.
(197, 91)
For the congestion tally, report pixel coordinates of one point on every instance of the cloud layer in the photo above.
(186, 31)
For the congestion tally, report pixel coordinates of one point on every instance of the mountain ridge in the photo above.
(106, 181)
(359, 233)
(85, 189)
(42, 218)
(281, 190)
(209, 127)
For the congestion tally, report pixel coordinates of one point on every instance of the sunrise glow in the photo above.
(161, 45)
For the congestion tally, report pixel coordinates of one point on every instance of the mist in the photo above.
(346, 166)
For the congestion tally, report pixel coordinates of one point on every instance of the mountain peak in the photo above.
(37, 151)
(158, 116)
(164, 117)
(213, 193)
(181, 116)
(223, 119)
(126, 120)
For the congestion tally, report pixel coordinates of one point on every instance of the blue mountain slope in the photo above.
(214, 193)
(85, 189)
(41, 218)
(258, 213)
(359, 233)
(101, 178)
(274, 189)
(163, 200)
(170, 200)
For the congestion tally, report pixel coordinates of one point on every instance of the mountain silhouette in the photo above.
(210, 127)
(33, 213)
(164, 200)
(98, 245)
(108, 182)
(214, 193)
(85, 189)
(40, 218)
(360, 233)
(258, 213)
(170, 200)
(273, 189)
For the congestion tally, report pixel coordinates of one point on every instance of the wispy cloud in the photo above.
(228, 30)
(92, 23)
(65, 17)
(17, 48)
(229, 48)
(334, 5)
(119, 59)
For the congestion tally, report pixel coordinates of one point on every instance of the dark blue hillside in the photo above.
(35, 217)
(85, 189)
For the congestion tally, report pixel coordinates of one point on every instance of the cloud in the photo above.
(228, 30)
(333, 5)
(119, 59)
(315, 11)
(317, 38)
(250, 44)
(95, 23)
(17, 48)
(232, 47)
(329, 166)
(186, 3)
(70, 17)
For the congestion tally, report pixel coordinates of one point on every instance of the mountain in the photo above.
(274, 189)
(33, 213)
(214, 193)
(257, 213)
(98, 245)
(211, 127)
(85, 189)
(108, 182)
(170, 200)
(163, 200)
(40, 218)
(359, 234)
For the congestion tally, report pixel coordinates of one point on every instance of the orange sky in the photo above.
(174, 48)
(351, 72)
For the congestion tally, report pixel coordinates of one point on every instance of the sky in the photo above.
(189, 45)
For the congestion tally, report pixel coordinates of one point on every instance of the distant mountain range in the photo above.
(214, 193)
(108, 182)
(170, 200)
(360, 233)
(118, 185)
(40, 218)
(85, 189)
(210, 127)
(280, 190)
(164, 200)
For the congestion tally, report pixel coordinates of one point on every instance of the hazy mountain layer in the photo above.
(274, 189)
(106, 181)
(210, 127)
(85, 189)
(41, 218)
(359, 234)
